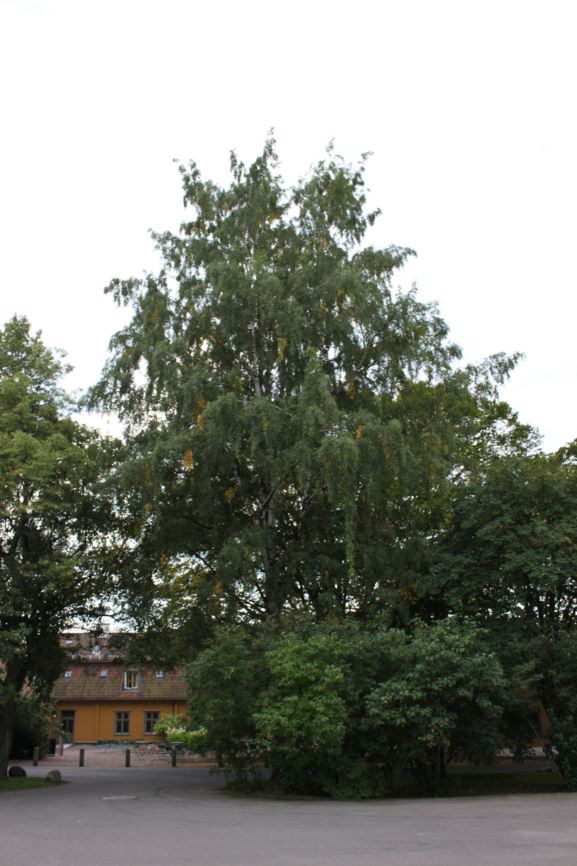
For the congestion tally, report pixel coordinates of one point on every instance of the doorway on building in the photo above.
(67, 725)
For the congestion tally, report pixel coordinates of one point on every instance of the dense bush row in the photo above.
(345, 710)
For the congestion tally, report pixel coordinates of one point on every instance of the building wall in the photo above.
(95, 721)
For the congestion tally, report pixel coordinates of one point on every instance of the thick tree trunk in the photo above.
(442, 763)
(273, 600)
(274, 585)
(6, 727)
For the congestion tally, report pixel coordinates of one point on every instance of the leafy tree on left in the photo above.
(52, 515)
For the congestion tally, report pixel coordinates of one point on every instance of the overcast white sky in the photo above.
(469, 107)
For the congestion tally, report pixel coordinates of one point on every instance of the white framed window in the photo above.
(151, 717)
(121, 723)
(159, 675)
(131, 680)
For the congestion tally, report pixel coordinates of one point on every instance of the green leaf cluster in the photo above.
(294, 424)
(346, 710)
(509, 559)
(51, 514)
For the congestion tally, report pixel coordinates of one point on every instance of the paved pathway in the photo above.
(179, 817)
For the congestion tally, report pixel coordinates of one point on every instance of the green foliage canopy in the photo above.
(345, 709)
(510, 561)
(50, 516)
(511, 553)
(293, 423)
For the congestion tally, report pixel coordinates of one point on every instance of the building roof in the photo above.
(87, 684)
(95, 672)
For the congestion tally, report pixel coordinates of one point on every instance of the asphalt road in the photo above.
(179, 817)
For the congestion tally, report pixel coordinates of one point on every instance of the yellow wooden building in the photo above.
(101, 699)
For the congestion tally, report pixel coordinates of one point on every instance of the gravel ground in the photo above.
(180, 817)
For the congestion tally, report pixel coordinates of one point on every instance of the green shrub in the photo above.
(32, 727)
(224, 683)
(193, 741)
(171, 722)
(303, 714)
(345, 709)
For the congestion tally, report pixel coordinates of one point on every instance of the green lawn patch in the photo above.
(29, 782)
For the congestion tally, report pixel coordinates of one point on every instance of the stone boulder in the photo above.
(54, 776)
